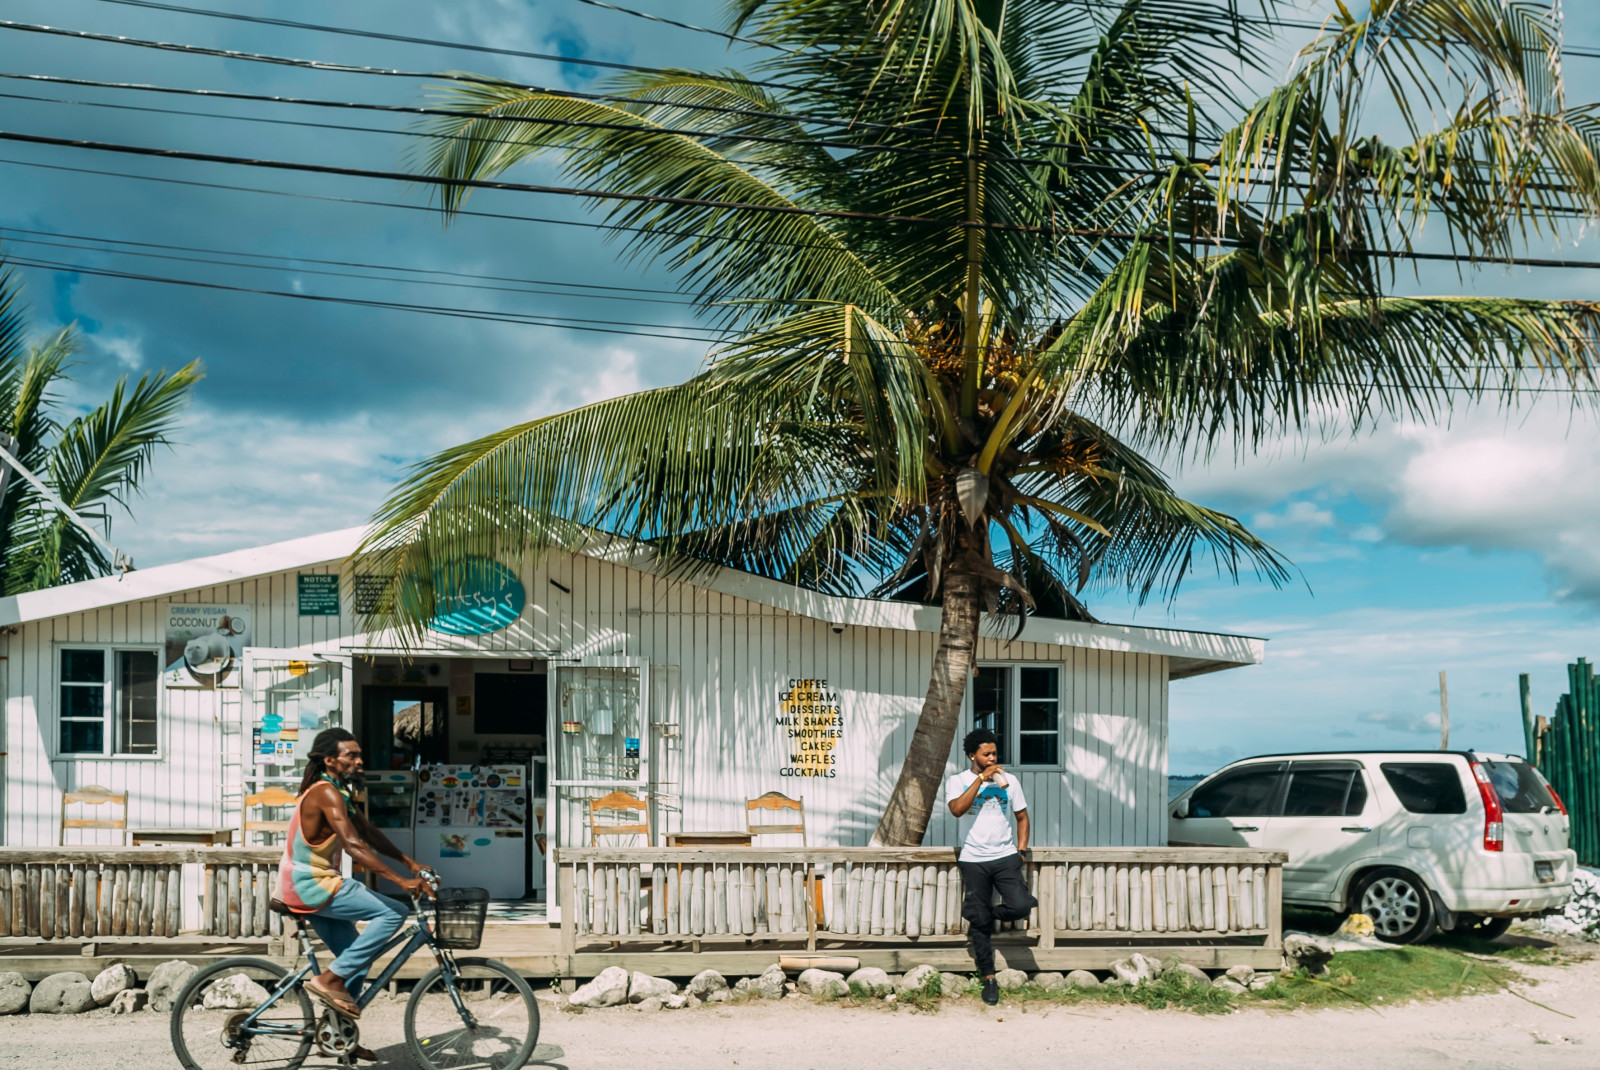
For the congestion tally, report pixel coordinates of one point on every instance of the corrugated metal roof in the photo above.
(1192, 652)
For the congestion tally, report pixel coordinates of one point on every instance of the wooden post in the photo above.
(75, 904)
(880, 888)
(1208, 917)
(233, 900)
(658, 899)
(674, 906)
(1099, 892)
(155, 906)
(1196, 899)
(930, 895)
(5, 900)
(108, 883)
(1148, 922)
(852, 902)
(808, 893)
(47, 902)
(1074, 892)
(1275, 905)
(697, 911)
(63, 902)
(574, 907)
(1049, 909)
(19, 901)
(1259, 880)
(147, 892)
(208, 899)
(572, 914)
(1235, 918)
(941, 906)
(1124, 898)
(1444, 712)
(175, 900)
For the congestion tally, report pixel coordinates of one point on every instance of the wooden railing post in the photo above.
(1275, 904)
(1047, 903)
(569, 921)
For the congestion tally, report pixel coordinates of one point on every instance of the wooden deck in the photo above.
(677, 911)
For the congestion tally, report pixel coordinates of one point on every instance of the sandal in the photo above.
(333, 1001)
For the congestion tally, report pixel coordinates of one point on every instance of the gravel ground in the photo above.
(1499, 1031)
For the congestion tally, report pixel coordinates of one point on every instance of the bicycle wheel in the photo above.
(504, 1026)
(208, 1011)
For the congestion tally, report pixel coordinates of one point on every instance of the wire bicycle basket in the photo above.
(458, 916)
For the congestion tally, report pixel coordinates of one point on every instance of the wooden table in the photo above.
(709, 839)
(209, 837)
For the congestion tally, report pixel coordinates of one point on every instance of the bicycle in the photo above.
(463, 1014)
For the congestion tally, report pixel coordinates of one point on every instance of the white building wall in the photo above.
(717, 661)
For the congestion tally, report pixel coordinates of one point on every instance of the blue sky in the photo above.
(1468, 547)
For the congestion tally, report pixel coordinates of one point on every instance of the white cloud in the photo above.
(1422, 723)
(128, 350)
(1301, 515)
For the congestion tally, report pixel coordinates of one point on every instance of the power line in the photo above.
(569, 191)
(78, 245)
(594, 326)
(669, 22)
(377, 35)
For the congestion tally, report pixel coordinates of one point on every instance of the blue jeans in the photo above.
(335, 923)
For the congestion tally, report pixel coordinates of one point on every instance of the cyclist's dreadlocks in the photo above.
(325, 746)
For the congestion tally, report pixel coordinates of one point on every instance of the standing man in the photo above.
(984, 798)
(323, 828)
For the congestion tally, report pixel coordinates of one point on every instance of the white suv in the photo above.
(1418, 840)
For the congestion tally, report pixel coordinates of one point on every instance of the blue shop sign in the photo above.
(485, 597)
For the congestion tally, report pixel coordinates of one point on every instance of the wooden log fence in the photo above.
(74, 893)
(873, 896)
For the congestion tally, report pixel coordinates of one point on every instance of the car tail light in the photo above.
(1494, 818)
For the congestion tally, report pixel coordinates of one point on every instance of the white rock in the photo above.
(14, 992)
(1262, 980)
(166, 981)
(1303, 949)
(872, 979)
(706, 982)
(1082, 979)
(721, 995)
(916, 979)
(235, 992)
(822, 983)
(606, 990)
(642, 986)
(1229, 985)
(650, 1004)
(772, 982)
(1008, 979)
(111, 980)
(1194, 975)
(129, 1000)
(953, 985)
(1050, 980)
(1241, 974)
(675, 1002)
(1134, 970)
(61, 993)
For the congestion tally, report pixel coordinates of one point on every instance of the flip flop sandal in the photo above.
(344, 1006)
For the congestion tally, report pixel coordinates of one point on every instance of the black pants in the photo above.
(981, 880)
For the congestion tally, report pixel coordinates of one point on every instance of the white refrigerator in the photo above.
(472, 826)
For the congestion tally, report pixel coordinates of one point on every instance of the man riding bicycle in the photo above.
(325, 827)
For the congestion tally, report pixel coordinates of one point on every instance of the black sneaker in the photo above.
(991, 992)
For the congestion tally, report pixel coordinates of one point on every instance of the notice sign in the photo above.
(319, 595)
(810, 715)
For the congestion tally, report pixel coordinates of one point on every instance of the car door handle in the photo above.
(1356, 828)
(1247, 828)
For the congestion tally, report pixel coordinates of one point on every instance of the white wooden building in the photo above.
(696, 694)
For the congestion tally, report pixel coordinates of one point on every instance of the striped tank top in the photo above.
(309, 873)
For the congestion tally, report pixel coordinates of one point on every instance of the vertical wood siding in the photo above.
(718, 663)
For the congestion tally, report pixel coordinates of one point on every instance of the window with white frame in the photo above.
(109, 701)
(1021, 705)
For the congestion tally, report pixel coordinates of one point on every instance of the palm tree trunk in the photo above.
(917, 791)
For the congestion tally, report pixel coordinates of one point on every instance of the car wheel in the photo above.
(1399, 905)
(1476, 925)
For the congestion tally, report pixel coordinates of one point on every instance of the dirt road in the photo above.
(1498, 1031)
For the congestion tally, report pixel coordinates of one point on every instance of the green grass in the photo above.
(1377, 979)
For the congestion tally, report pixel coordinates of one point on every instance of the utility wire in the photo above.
(648, 198)
(569, 191)
(596, 326)
(642, 15)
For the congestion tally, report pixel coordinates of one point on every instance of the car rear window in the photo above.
(1427, 787)
(1519, 786)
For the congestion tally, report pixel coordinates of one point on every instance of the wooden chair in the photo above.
(274, 796)
(771, 802)
(94, 795)
(618, 802)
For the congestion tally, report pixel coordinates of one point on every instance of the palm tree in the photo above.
(92, 462)
(975, 258)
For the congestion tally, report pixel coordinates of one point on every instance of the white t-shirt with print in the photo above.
(985, 829)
